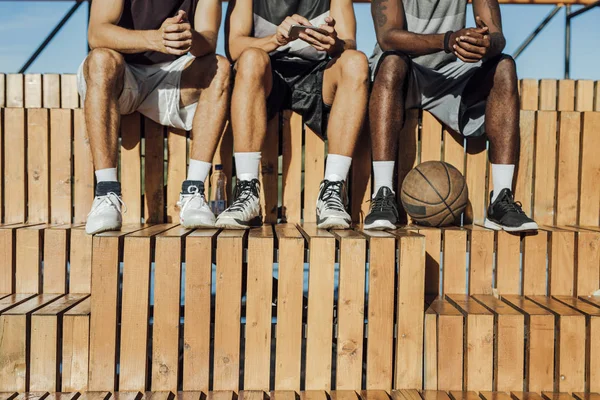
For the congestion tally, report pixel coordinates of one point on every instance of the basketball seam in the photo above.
(436, 214)
(461, 192)
(422, 201)
(436, 191)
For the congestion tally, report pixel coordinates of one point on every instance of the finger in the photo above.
(480, 23)
(176, 44)
(300, 19)
(313, 42)
(472, 49)
(178, 28)
(472, 40)
(464, 59)
(330, 21)
(178, 36)
(320, 37)
(467, 54)
(327, 28)
(177, 52)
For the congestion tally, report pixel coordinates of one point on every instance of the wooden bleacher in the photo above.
(416, 313)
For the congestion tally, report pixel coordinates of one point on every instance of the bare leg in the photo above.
(104, 72)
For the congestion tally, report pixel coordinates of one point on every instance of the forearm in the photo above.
(497, 44)
(204, 43)
(123, 40)
(412, 44)
(240, 43)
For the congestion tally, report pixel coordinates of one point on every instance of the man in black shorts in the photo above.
(319, 75)
(415, 65)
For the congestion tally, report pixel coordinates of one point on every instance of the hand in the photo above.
(282, 36)
(471, 44)
(329, 43)
(176, 34)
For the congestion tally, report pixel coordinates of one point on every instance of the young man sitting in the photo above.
(415, 66)
(156, 57)
(319, 75)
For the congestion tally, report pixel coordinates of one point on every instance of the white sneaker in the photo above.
(331, 206)
(105, 214)
(194, 211)
(245, 212)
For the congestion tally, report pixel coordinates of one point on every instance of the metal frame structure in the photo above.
(568, 17)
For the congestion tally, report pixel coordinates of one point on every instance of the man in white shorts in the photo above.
(156, 57)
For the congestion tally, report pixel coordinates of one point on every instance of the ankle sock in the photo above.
(337, 167)
(502, 178)
(247, 165)
(383, 174)
(105, 187)
(198, 170)
(106, 175)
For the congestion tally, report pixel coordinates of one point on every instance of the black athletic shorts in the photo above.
(298, 86)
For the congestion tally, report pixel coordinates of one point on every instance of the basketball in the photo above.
(434, 193)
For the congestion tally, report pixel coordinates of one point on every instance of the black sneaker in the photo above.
(384, 211)
(245, 212)
(507, 214)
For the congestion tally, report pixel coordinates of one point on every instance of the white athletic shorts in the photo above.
(154, 91)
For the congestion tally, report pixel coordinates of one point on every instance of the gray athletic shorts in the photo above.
(441, 91)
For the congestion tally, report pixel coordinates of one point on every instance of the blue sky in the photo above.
(24, 25)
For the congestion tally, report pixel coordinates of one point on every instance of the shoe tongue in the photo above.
(191, 187)
(385, 190)
(505, 194)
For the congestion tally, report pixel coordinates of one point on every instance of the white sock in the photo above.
(198, 170)
(502, 177)
(107, 175)
(337, 167)
(383, 174)
(247, 165)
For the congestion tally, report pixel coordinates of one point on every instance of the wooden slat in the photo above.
(529, 94)
(80, 261)
(131, 167)
(408, 148)
(526, 396)
(29, 259)
(589, 211)
(75, 347)
(566, 95)
(360, 189)
(406, 394)
(197, 322)
(15, 180)
(524, 173)
(38, 158)
(177, 170)
(431, 138)
(33, 90)
(320, 307)
(561, 262)
(84, 169)
(449, 345)
(351, 299)
(2, 90)
(584, 99)
(154, 201)
(588, 262)
(455, 260)
(545, 167)
(1, 158)
(430, 356)
(548, 94)
(374, 395)
(508, 276)
(228, 310)
(433, 248)
(69, 97)
(167, 300)
(567, 192)
(56, 246)
(343, 395)
(291, 145)
(434, 395)
(14, 90)
(269, 172)
(259, 290)
(481, 259)
(454, 149)
(596, 107)
(535, 248)
(61, 175)
(314, 170)
(7, 260)
(409, 308)
(476, 175)
(289, 307)
(51, 90)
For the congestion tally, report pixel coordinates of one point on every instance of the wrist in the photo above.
(154, 39)
(446, 45)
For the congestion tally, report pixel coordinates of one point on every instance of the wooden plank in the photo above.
(33, 90)
(509, 348)
(529, 94)
(406, 394)
(588, 262)
(524, 171)
(45, 336)
(455, 260)
(252, 395)
(454, 149)
(568, 168)
(14, 90)
(56, 250)
(7, 260)
(84, 169)
(548, 94)
(434, 395)
(374, 395)
(38, 159)
(131, 167)
(289, 307)
(61, 125)
(481, 259)
(476, 175)
(341, 394)
(433, 248)
(291, 145)
(535, 248)
(32, 396)
(13, 300)
(75, 347)
(269, 172)
(80, 261)
(51, 90)
(177, 170)
(228, 310)
(589, 197)
(479, 344)
(360, 189)
(314, 170)
(2, 90)
(15, 178)
(584, 99)
(596, 107)
(197, 323)
(508, 263)
(430, 374)
(566, 95)
(408, 150)
(431, 138)
(167, 300)
(410, 308)
(495, 396)
(351, 306)
(259, 298)
(586, 396)
(545, 167)
(69, 97)
(154, 201)
(526, 396)
(539, 348)
(320, 307)
(561, 262)
(1, 158)
(29, 259)
(556, 396)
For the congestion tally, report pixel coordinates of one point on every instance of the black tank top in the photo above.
(149, 15)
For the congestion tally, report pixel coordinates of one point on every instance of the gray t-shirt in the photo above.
(430, 17)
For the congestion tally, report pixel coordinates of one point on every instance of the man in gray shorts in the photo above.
(426, 58)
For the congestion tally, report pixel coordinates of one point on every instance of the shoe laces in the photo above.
(508, 204)
(244, 192)
(187, 198)
(331, 195)
(108, 200)
(383, 202)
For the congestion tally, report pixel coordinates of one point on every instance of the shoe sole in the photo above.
(198, 226)
(379, 225)
(232, 223)
(529, 226)
(333, 223)
(103, 229)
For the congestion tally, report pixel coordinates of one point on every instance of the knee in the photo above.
(506, 73)
(252, 65)
(104, 66)
(393, 70)
(221, 75)
(355, 66)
